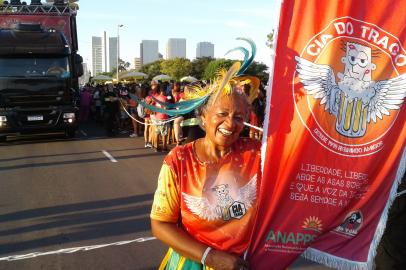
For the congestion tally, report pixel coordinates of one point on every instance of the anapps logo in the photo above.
(353, 74)
(278, 240)
(312, 223)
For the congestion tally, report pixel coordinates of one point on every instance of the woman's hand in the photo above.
(187, 246)
(221, 260)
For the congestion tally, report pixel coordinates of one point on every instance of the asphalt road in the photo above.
(57, 194)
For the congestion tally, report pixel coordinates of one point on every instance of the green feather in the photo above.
(178, 105)
(243, 50)
(248, 62)
(171, 112)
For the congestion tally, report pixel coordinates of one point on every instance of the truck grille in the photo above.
(37, 118)
(32, 100)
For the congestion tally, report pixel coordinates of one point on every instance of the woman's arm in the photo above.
(184, 244)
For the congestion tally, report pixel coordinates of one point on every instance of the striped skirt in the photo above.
(175, 261)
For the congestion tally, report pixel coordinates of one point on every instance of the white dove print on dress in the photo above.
(225, 206)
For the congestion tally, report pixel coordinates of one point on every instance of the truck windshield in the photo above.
(35, 67)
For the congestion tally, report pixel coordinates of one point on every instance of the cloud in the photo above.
(92, 16)
(257, 12)
(237, 24)
(200, 21)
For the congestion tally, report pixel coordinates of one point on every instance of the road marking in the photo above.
(83, 133)
(74, 249)
(107, 154)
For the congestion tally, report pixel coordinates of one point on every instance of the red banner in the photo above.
(57, 22)
(335, 144)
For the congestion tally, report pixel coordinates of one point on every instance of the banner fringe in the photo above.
(344, 264)
(333, 261)
(384, 217)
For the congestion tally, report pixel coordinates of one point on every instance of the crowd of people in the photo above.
(112, 107)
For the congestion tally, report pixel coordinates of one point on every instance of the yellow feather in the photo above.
(225, 79)
(223, 84)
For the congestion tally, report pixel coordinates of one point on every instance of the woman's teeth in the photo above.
(225, 132)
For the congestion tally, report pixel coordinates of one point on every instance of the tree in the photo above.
(152, 69)
(110, 74)
(259, 70)
(214, 66)
(199, 65)
(122, 66)
(73, 4)
(177, 67)
(270, 37)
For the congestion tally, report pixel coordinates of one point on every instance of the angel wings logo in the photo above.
(224, 201)
(354, 77)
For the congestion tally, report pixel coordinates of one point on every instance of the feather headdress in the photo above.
(225, 82)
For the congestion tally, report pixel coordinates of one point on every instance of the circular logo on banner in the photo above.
(349, 86)
(351, 224)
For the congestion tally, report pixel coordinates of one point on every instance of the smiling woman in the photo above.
(205, 202)
(223, 120)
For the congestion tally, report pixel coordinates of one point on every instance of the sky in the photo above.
(217, 21)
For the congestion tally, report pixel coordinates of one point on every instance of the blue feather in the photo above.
(246, 63)
(177, 105)
(174, 112)
(243, 50)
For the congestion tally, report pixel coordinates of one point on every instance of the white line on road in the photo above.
(83, 133)
(74, 249)
(107, 154)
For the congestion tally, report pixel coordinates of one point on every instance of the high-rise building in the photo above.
(97, 56)
(148, 51)
(113, 53)
(205, 49)
(176, 47)
(137, 63)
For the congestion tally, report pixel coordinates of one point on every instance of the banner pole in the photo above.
(270, 84)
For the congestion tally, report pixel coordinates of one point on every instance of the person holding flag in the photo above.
(205, 201)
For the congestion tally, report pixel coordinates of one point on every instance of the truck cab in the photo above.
(39, 69)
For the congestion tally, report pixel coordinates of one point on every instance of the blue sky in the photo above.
(216, 21)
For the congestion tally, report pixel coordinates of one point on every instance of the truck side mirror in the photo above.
(78, 65)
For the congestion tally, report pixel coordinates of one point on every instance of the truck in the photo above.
(39, 68)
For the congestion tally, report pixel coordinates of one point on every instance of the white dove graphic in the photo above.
(201, 206)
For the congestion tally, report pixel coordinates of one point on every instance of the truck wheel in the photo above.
(70, 133)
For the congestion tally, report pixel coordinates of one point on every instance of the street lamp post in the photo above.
(118, 46)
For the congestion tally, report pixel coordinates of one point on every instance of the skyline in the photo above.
(202, 47)
(221, 25)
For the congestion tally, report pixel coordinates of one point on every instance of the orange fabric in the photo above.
(215, 203)
(335, 132)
